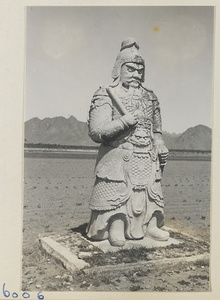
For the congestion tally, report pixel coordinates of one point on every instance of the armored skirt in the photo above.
(127, 169)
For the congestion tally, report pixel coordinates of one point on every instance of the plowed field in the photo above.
(56, 199)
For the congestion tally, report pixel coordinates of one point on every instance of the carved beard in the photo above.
(133, 90)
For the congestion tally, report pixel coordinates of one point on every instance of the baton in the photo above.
(115, 99)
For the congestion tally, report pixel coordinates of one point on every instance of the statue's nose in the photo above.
(137, 75)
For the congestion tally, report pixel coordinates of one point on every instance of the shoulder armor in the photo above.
(100, 98)
(150, 94)
(153, 96)
(101, 92)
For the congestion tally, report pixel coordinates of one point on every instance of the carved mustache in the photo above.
(134, 79)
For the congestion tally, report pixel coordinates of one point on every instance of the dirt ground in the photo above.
(56, 199)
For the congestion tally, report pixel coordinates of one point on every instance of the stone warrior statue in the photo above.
(127, 200)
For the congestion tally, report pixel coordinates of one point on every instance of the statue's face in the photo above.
(141, 137)
(131, 74)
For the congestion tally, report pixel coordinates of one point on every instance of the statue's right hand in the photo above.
(130, 119)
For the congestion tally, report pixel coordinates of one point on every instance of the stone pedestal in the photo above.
(73, 250)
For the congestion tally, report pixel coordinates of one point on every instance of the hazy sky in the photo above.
(71, 52)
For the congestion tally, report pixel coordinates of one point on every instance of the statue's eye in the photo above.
(140, 71)
(130, 69)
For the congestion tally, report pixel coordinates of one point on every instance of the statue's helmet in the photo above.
(129, 52)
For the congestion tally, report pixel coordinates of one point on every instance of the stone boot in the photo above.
(155, 233)
(116, 232)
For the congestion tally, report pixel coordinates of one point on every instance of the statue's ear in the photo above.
(115, 82)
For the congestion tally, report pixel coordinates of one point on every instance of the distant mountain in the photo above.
(170, 139)
(58, 130)
(62, 131)
(194, 138)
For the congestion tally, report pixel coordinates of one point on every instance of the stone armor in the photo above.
(128, 171)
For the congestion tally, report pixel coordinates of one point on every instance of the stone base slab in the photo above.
(150, 264)
(62, 254)
(72, 249)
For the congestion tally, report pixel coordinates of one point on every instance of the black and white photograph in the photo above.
(117, 148)
(109, 159)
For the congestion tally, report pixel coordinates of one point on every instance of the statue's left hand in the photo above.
(163, 153)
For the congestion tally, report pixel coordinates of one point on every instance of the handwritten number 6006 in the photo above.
(25, 295)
